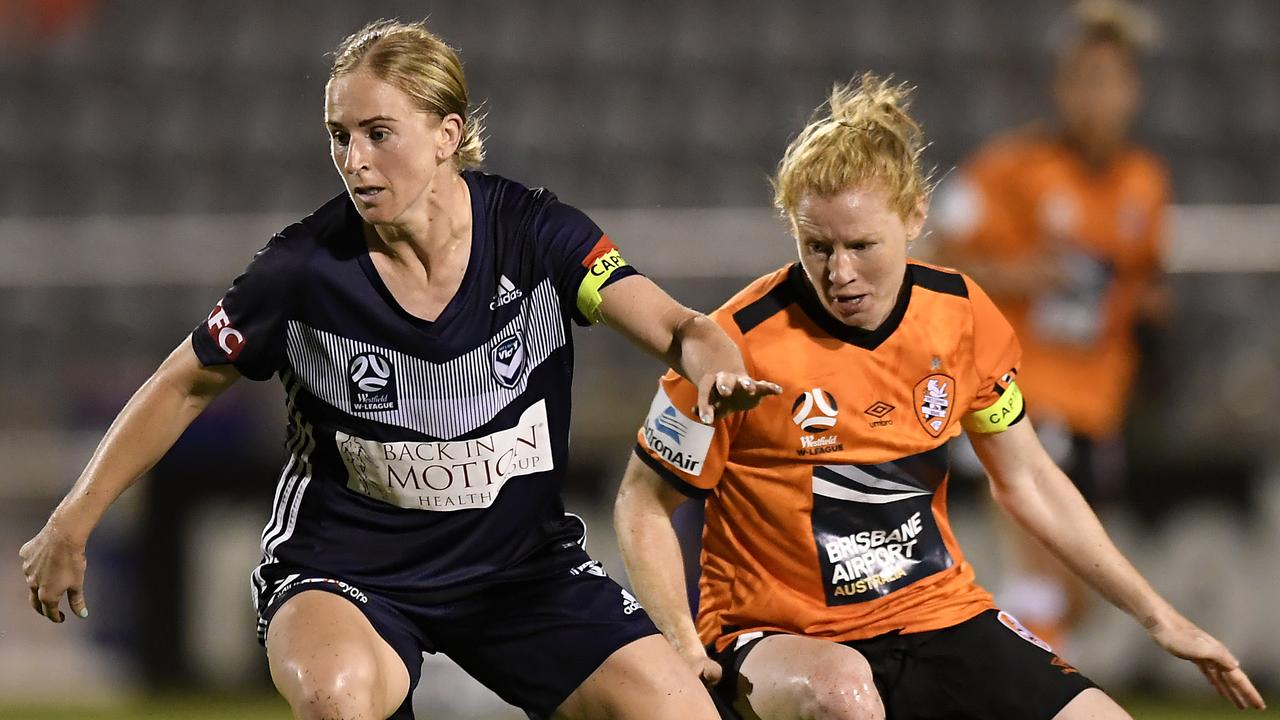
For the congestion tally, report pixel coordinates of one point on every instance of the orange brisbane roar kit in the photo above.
(826, 506)
(1030, 196)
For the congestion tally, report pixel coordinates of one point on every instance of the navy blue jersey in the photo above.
(425, 458)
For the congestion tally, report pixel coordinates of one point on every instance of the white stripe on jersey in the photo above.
(445, 400)
(293, 482)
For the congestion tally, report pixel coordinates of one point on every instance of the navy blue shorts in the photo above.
(988, 666)
(532, 642)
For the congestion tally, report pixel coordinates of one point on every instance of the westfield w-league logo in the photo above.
(815, 410)
(371, 382)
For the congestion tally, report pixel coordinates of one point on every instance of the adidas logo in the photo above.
(507, 292)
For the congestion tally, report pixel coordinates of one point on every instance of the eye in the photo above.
(817, 248)
(379, 134)
(339, 137)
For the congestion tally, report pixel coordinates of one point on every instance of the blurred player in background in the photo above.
(832, 585)
(420, 323)
(1063, 223)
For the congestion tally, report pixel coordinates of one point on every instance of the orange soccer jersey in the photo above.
(1030, 195)
(826, 506)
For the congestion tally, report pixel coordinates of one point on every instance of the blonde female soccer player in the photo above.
(420, 324)
(832, 585)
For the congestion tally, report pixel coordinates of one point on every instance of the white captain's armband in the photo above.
(680, 441)
(601, 263)
(1002, 414)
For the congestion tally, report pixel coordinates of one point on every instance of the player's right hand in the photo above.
(707, 670)
(53, 565)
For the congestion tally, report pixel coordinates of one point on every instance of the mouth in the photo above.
(847, 304)
(366, 193)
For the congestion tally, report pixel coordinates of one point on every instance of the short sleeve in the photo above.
(583, 259)
(686, 453)
(998, 403)
(974, 210)
(246, 328)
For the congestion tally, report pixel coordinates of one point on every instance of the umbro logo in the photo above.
(507, 292)
(879, 410)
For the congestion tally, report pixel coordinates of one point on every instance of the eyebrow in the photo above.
(362, 123)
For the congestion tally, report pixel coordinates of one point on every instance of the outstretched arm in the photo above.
(1030, 487)
(53, 561)
(687, 341)
(651, 552)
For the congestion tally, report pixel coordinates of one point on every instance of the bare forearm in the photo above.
(700, 347)
(141, 434)
(654, 563)
(1052, 510)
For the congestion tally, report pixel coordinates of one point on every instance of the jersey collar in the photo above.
(866, 339)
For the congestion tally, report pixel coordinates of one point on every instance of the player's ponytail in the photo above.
(420, 64)
(863, 133)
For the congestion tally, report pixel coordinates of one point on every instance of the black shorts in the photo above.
(986, 667)
(531, 642)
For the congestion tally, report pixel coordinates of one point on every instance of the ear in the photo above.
(448, 136)
(915, 221)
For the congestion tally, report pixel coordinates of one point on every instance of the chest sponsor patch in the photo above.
(680, 441)
(874, 529)
(448, 475)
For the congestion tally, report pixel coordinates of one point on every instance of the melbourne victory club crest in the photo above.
(933, 398)
(371, 381)
(508, 358)
(815, 412)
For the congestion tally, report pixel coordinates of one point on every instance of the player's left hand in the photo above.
(1184, 639)
(726, 392)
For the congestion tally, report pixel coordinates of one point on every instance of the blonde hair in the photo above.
(861, 134)
(416, 61)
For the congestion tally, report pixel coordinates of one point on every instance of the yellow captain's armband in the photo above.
(598, 273)
(1000, 416)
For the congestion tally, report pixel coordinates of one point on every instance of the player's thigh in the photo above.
(323, 652)
(1092, 704)
(789, 677)
(643, 680)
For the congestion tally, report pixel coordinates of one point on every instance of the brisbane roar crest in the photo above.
(934, 396)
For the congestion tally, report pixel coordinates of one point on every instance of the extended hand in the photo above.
(53, 564)
(726, 392)
(1182, 638)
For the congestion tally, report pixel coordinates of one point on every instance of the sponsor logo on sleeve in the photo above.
(508, 360)
(447, 475)
(680, 441)
(229, 339)
(371, 383)
(933, 401)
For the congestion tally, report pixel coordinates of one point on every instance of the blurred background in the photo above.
(149, 148)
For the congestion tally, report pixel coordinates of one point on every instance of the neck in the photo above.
(433, 228)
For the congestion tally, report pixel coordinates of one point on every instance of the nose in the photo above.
(841, 267)
(356, 158)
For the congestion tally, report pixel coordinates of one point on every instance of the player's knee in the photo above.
(844, 691)
(347, 694)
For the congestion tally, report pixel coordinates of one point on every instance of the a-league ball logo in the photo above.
(371, 382)
(815, 410)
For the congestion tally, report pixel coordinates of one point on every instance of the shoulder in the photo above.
(765, 297)
(1013, 149)
(1146, 168)
(939, 279)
